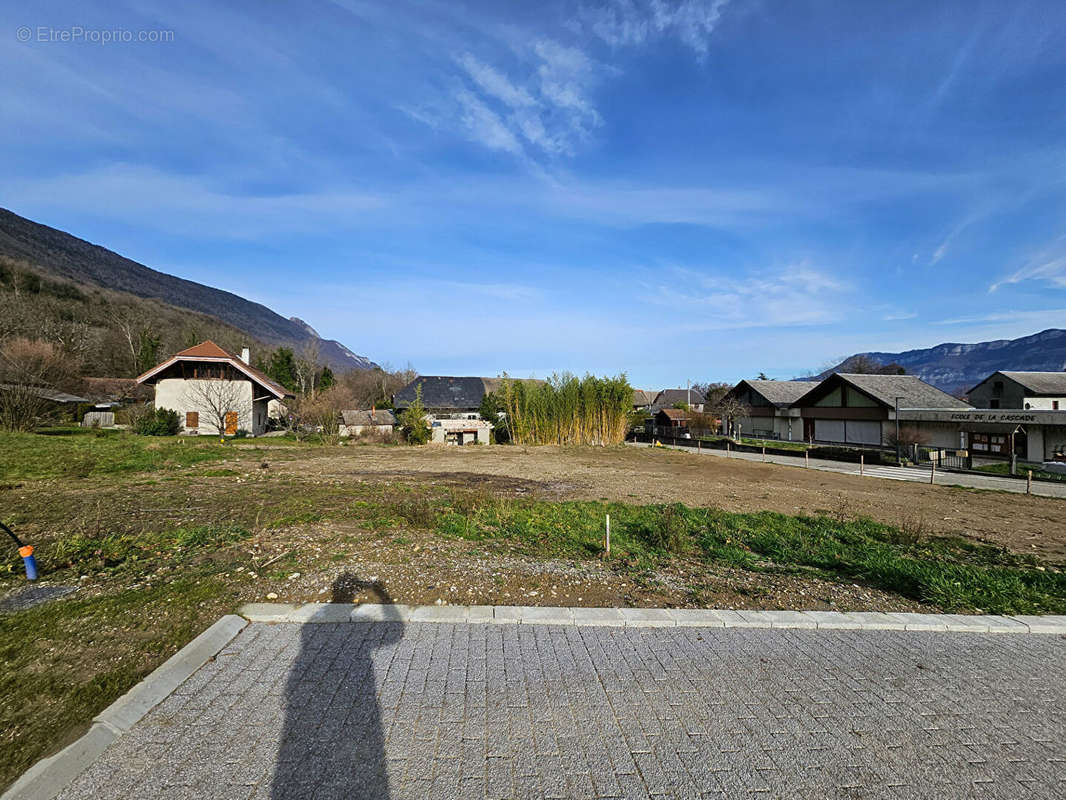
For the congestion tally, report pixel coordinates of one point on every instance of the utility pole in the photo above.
(899, 461)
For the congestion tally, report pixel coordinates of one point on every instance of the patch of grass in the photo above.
(776, 444)
(952, 574)
(1022, 468)
(67, 660)
(110, 551)
(33, 456)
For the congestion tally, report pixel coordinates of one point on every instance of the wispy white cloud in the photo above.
(896, 316)
(484, 125)
(1048, 266)
(495, 291)
(541, 103)
(1049, 316)
(798, 294)
(495, 83)
(541, 106)
(188, 204)
(623, 23)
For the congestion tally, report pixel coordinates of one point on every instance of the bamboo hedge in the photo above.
(566, 409)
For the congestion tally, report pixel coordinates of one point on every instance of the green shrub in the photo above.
(161, 422)
(413, 421)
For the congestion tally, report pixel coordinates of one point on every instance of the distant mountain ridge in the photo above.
(957, 367)
(74, 259)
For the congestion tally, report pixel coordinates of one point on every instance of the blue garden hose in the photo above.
(26, 551)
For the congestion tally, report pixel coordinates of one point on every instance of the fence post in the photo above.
(727, 449)
(607, 537)
(764, 452)
(932, 472)
(1029, 483)
(807, 459)
(862, 464)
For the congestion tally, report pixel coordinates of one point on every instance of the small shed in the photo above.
(671, 422)
(360, 423)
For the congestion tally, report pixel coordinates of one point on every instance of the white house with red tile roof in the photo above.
(214, 392)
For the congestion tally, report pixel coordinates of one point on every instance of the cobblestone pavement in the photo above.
(422, 710)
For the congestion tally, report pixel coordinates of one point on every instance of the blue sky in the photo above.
(695, 190)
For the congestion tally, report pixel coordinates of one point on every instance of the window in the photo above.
(993, 403)
(192, 419)
(1054, 405)
(997, 387)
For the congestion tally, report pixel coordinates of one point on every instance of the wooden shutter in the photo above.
(192, 419)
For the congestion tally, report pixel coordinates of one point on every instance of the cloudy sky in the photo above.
(698, 190)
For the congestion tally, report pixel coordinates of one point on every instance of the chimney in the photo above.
(246, 356)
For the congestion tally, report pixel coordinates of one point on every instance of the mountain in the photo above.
(956, 367)
(57, 254)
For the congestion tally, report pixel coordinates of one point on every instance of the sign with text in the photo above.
(992, 416)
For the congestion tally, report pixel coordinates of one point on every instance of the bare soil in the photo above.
(1025, 524)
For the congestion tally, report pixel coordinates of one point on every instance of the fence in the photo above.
(945, 458)
(99, 419)
(828, 452)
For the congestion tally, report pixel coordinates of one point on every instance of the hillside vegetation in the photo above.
(66, 259)
(110, 333)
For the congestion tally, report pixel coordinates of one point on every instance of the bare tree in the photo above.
(712, 391)
(909, 435)
(729, 410)
(319, 414)
(30, 370)
(307, 367)
(216, 398)
(702, 423)
(363, 388)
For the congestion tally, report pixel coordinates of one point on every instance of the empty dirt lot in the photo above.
(1035, 525)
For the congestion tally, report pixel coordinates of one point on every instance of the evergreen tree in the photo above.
(282, 368)
(326, 378)
(413, 421)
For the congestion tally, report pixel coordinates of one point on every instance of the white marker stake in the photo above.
(1029, 483)
(607, 536)
(862, 464)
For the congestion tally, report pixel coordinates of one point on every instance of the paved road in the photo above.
(916, 474)
(434, 711)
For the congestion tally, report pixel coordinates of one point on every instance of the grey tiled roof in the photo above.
(781, 393)
(54, 395)
(380, 416)
(643, 398)
(667, 397)
(443, 391)
(911, 390)
(1053, 383)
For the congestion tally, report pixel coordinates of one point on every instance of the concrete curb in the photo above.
(49, 776)
(655, 618)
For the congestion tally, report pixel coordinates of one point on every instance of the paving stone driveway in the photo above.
(424, 710)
